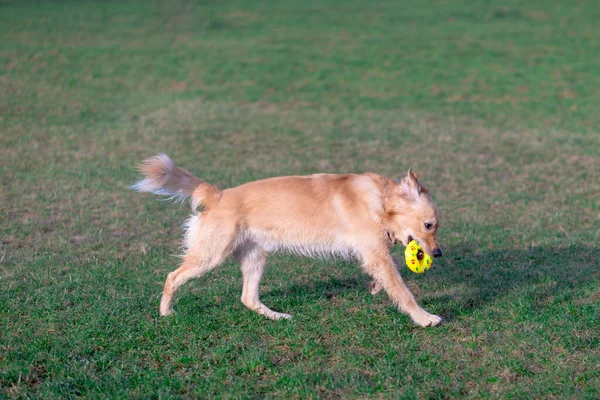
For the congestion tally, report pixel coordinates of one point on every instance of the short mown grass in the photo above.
(494, 104)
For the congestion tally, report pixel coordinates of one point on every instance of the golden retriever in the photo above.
(352, 216)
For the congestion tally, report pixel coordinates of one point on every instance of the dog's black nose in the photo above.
(437, 252)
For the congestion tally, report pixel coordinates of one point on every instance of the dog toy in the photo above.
(416, 259)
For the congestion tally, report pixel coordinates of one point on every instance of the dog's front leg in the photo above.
(374, 286)
(387, 277)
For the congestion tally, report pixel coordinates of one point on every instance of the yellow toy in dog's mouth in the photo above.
(416, 259)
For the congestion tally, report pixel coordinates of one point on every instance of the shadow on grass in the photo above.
(486, 276)
(476, 278)
(467, 278)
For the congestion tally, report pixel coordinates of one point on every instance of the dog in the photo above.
(355, 216)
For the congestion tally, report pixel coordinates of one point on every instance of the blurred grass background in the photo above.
(494, 104)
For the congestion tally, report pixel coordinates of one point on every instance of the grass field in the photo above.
(495, 104)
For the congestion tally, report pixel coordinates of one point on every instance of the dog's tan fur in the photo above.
(353, 216)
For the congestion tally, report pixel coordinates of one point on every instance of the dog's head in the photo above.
(411, 214)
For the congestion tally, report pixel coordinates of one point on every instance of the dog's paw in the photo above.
(274, 315)
(166, 313)
(375, 287)
(425, 319)
(278, 315)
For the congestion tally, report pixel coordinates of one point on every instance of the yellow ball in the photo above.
(416, 259)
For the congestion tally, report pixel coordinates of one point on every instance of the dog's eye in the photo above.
(428, 225)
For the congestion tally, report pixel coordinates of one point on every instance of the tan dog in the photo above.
(353, 216)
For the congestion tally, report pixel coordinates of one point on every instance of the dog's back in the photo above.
(312, 215)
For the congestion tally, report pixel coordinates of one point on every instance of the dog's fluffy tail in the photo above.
(162, 177)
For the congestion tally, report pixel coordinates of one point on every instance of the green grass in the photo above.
(494, 104)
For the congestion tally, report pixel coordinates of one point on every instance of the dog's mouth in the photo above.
(410, 239)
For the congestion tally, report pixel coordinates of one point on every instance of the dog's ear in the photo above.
(409, 185)
(414, 174)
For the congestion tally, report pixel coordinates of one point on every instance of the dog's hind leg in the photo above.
(253, 259)
(208, 248)
(382, 268)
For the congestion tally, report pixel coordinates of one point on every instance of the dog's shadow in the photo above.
(468, 278)
(477, 278)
